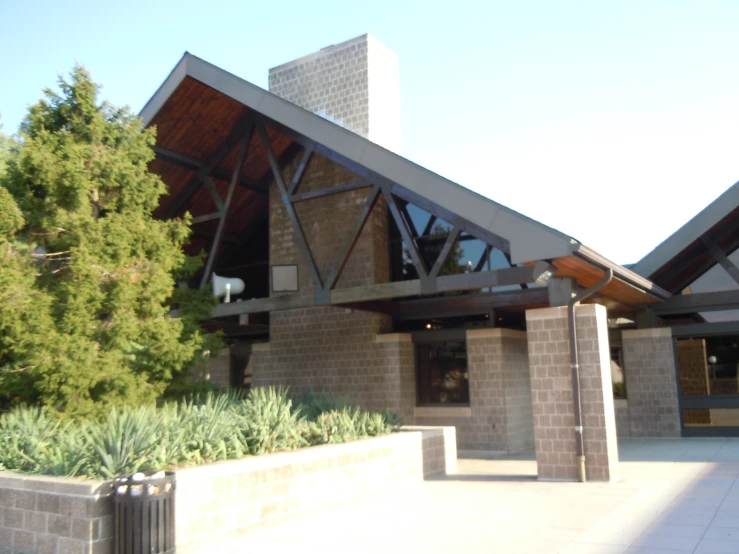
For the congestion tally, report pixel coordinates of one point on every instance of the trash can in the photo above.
(144, 513)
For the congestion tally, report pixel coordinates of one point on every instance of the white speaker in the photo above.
(225, 286)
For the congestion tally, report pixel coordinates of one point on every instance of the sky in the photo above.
(613, 122)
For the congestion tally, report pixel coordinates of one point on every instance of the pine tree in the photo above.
(87, 274)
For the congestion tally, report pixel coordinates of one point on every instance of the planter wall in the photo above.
(223, 500)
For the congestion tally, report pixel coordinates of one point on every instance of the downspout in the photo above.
(574, 362)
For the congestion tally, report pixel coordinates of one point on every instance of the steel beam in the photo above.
(207, 217)
(290, 209)
(211, 186)
(383, 291)
(705, 329)
(236, 134)
(697, 302)
(354, 185)
(484, 257)
(397, 189)
(445, 251)
(473, 304)
(429, 225)
(300, 171)
(405, 233)
(177, 158)
(447, 215)
(361, 221)
(226, 205)
(720, 256)
(409, 220)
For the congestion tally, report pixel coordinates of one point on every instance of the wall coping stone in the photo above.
(394, 337)
(60, 485)
(495, 332)
(646, 333)
(561, 311)
(260, 346)
(442, 411)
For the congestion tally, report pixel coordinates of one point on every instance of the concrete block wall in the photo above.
(355, 84)
(551, 385)
(328, 349)
(50, 515)
(224, 500)
(397, 352)
(500, 415)
(649, 365)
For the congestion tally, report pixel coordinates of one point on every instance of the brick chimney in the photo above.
(355, 84)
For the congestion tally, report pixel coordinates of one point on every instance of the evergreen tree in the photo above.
(87, 274)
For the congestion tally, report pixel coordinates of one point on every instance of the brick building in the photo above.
(370, 277)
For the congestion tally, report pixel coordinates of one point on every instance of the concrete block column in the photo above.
(500, 390)
(551, 389)
(651, 385)
(398, 388)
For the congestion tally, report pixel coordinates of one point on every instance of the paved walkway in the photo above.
(674, 496)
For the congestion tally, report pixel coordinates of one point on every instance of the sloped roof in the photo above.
(196, 118)
(529, 239)
(683, 257)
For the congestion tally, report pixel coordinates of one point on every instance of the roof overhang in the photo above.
(527, 240)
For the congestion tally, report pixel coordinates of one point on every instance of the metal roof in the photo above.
(529, 240)
(677, 243)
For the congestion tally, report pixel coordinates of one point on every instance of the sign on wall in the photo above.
(284, 278)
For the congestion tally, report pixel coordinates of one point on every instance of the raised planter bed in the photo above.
(47, 515)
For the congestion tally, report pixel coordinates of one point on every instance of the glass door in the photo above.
(708, 371)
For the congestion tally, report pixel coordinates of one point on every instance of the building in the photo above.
(371, 277)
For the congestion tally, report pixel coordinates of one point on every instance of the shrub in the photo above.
(270, 422)
(311, 406)
(204, 428)
(619, 390)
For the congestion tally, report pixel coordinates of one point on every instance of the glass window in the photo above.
(725, 417)
(709, 366)
(442, 373)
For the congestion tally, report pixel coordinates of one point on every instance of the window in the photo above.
(442, 373)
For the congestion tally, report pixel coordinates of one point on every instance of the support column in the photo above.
(551, 389)
(651, 385)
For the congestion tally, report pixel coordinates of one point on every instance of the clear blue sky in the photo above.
(614, 122)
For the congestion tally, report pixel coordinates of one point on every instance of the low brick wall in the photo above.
(46, 515)
(226, 499)
(51, 515)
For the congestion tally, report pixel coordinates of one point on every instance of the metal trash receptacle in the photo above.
(144, 513)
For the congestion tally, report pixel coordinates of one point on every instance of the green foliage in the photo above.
(202, 429)
(87, 274)
(182, 387)
(5, 145)
(619, 390)
(311, 406)
(271, 423)
(347, 424)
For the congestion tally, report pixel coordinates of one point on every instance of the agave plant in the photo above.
(202, 429)
(212, 428)
(25, 434)
(125, 441)
(270, 423)
(69, 455)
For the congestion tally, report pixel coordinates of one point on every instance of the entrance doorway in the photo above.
(708, 372)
